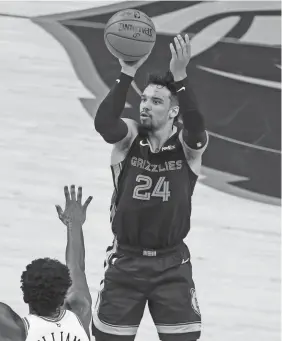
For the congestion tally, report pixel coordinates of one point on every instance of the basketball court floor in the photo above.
(47, 140)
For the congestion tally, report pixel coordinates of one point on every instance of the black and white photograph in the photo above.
(140, 170)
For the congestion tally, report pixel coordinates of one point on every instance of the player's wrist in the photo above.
(74, 223)
(179, 77)
(129, 72)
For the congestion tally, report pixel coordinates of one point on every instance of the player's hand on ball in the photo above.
(130, 68)
(74, 211)
(180, 57)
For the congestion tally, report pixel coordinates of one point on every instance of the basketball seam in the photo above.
(130, 20)
(129, 55)
(144, 41)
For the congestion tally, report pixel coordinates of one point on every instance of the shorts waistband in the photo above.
(138, 251)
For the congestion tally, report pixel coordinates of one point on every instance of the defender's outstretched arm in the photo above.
(78, 299)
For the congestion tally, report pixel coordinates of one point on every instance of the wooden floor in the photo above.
(47, 140)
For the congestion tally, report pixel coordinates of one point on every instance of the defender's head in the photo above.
(159, 104)
(45, 283)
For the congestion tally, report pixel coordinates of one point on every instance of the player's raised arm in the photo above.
(194, 134)
(78, 299)
(108, 120)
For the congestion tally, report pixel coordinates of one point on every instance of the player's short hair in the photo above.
(164, 80)
(44, 284)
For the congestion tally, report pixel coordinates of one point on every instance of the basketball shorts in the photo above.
(163, 279)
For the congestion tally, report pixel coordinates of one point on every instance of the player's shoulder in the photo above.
(8, 313)
(11, 325)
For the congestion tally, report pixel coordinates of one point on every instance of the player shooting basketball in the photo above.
(155, 166)
(58, 295)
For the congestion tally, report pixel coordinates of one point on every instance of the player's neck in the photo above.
(53, 315)
(158, 138)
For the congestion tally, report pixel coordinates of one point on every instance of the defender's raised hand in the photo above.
(74, 210)
(180, 57)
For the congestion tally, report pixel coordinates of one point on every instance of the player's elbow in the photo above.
(104, 128)
(112, 131)
(100, 123)
(108, 136)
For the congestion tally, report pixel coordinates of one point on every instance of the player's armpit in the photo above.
(79, 299)
(194, 149)
(11, 325)
(121, 148)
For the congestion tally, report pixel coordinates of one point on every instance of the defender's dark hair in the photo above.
(163, 80)
(45, 283)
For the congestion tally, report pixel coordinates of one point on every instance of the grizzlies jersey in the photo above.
(151, 204)
(66, 327)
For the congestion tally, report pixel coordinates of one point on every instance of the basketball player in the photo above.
(155, 166)
(58, 295)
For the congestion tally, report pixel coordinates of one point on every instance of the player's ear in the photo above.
(173, 111)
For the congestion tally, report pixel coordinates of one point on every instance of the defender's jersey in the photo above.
(151, 205)
(66, 327)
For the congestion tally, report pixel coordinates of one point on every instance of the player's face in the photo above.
(155, 107)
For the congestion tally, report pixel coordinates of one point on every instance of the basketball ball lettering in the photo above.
(129, 35)
(126, 13)
(136, 15)
(137, 29)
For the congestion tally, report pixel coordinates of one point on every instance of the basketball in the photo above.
(130, 34)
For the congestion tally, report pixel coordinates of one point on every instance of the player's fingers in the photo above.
(73, 192)
(67, 193)
(87, 202)
(182, 44)
(59, 211)
(178, 48)
(79, 194)
(188, 45)
(172, 50)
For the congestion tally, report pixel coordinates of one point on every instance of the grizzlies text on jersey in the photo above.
(151, 205)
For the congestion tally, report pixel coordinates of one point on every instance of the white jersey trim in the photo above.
(53, 319)
(26, 325)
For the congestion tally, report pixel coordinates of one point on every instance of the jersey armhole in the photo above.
(26, 325)
(78, 319)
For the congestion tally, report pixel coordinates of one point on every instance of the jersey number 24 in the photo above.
(144, 191)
